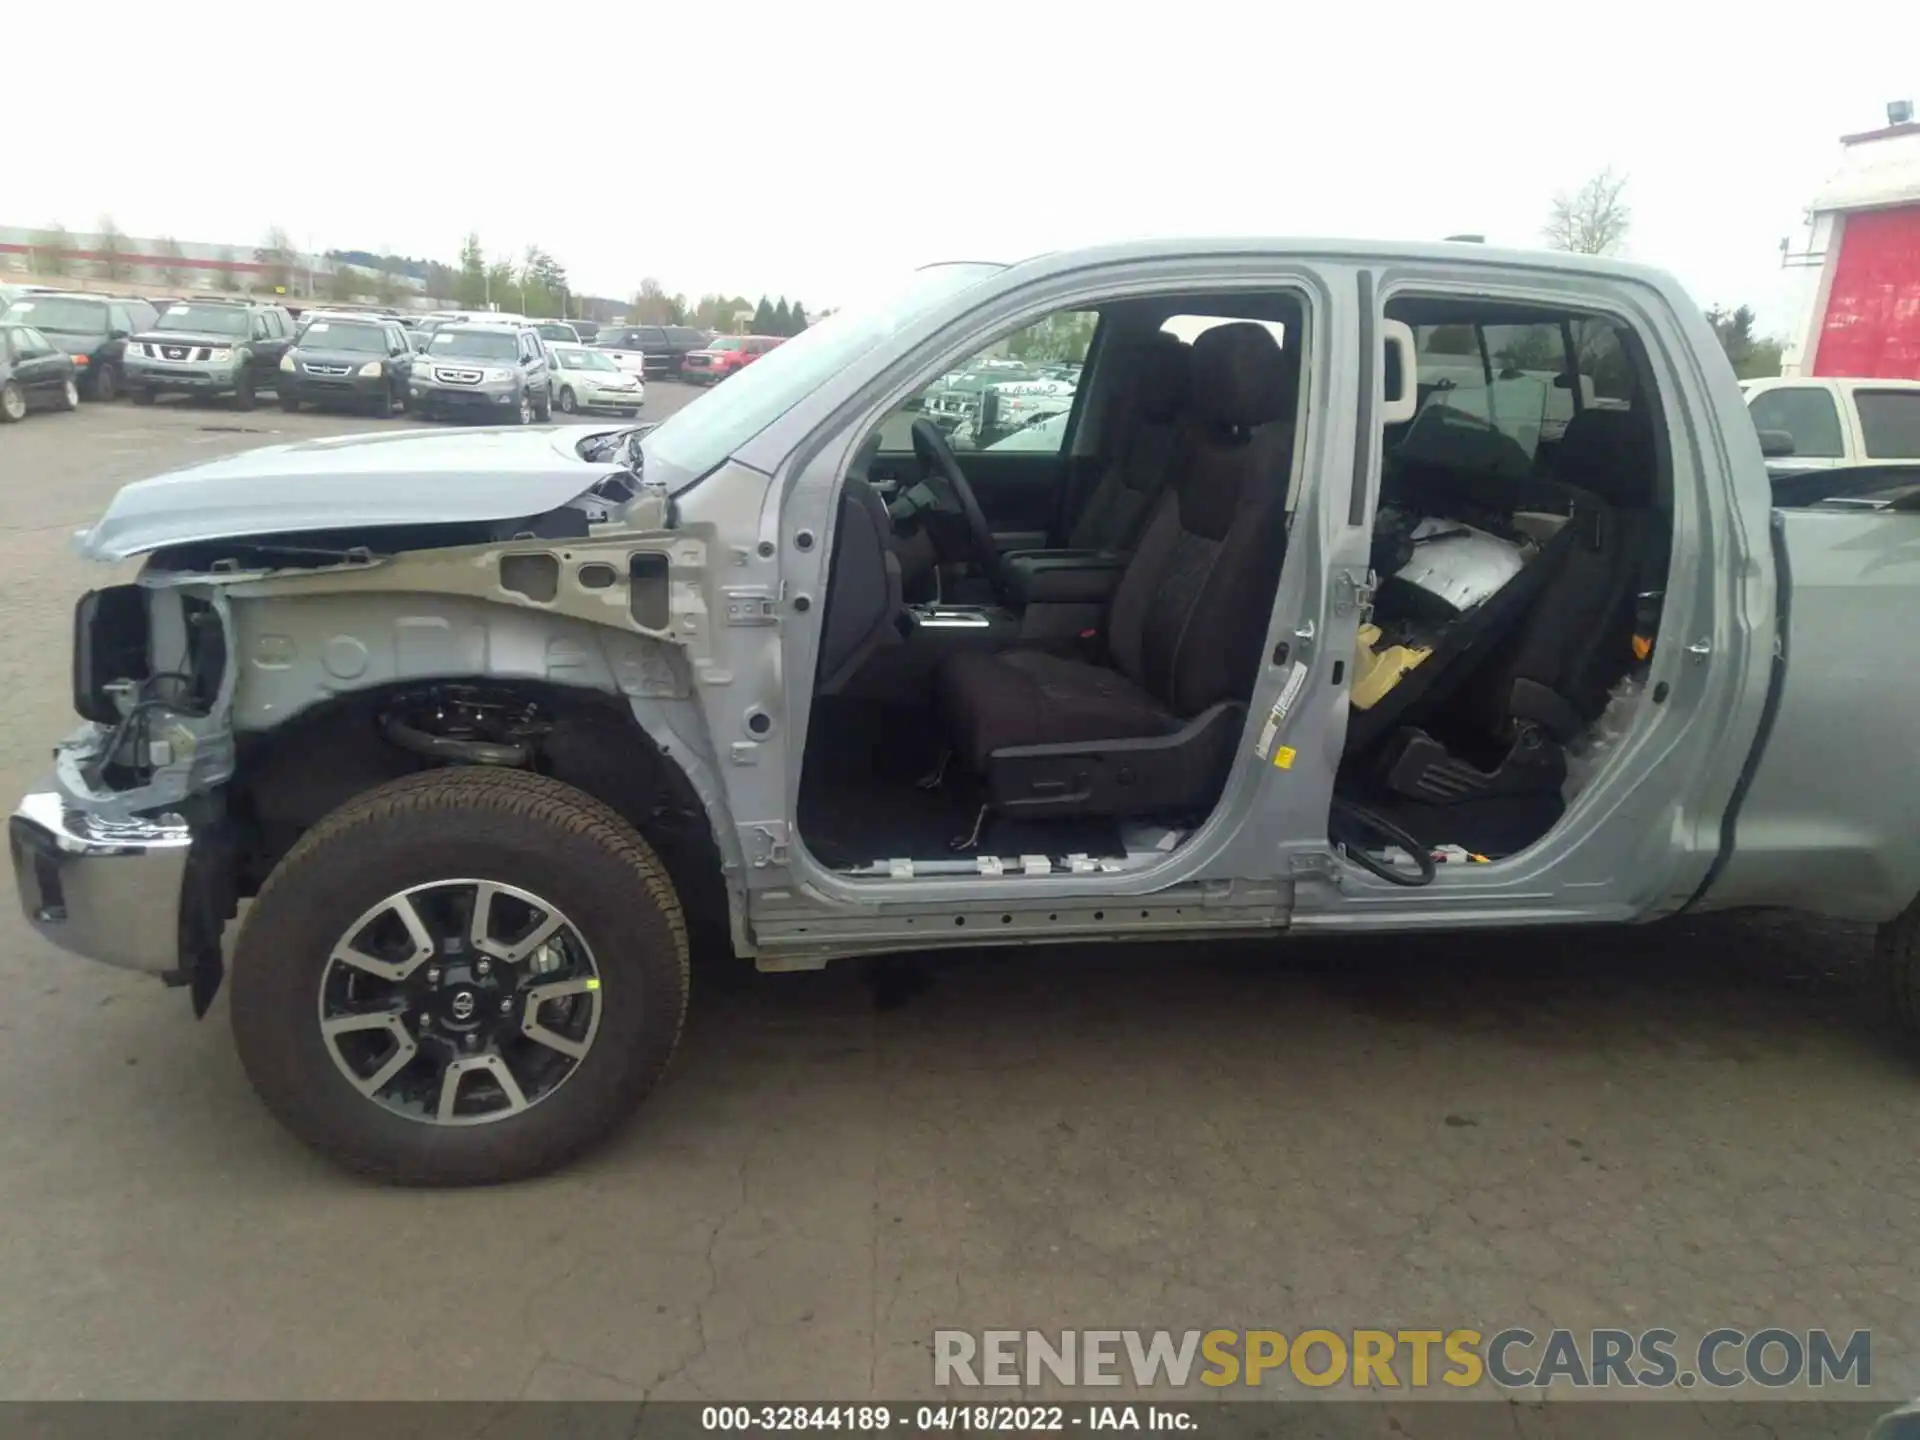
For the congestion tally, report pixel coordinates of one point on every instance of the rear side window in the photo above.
(1805, 412)
(1889, 423)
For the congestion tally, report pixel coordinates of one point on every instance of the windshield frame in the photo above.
(699, 437)
(238, 314)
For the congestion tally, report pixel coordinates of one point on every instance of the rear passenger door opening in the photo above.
(1061, 687)
(1520, 545)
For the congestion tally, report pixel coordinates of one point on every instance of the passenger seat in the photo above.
(1154, 405)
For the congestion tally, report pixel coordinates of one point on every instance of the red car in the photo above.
(724, 356)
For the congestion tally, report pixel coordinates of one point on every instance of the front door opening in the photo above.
(1050, 587)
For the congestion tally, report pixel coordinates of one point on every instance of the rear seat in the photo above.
(1548, 678)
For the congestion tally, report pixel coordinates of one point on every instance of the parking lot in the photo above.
(1696, 1125)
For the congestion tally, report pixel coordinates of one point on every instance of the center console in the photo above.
(1061, 593)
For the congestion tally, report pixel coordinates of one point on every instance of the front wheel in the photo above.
(523, 411)
(290, 404)
(69, 395)
(464, 977)
(13, 403)
(140, 395)
(243, 391)
(567, 401)
(106, 382)
(546, 404)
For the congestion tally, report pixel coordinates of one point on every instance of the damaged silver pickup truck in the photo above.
(1368, 588)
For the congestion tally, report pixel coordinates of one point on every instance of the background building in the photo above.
(1859, 305)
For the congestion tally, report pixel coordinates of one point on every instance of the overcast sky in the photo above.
(805, 147)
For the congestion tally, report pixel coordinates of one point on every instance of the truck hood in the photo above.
(418, 477)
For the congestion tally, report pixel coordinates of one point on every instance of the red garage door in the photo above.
(1872, 324)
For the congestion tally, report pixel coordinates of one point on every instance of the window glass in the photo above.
(204, 319)
(119, 319)
(1513, 376)
(473, 345)
(697, 437)
(573, 357)
(1013, 385)
(1889, 423)
(1805, 412)
(63, 314)
(343, 335)
(652, 335)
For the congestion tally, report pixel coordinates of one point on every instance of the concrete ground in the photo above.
(1706, 1123)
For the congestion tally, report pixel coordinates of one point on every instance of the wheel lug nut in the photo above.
(433, 975)
(472, 1042)
(426, 1022)
(506, 1004)
(482, 966)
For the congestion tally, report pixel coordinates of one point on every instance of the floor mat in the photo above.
(861, 801)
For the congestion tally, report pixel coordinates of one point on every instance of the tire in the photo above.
(13, 403)
(106, 382)
(567, 403)
(140, 395)
(1897, 945)
(243, 396)
(440, 827)
(290, 404)
(544, 407)
(634, 414)
(523, 412)
(70, 396)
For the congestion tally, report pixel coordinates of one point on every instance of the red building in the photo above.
(1861, 306)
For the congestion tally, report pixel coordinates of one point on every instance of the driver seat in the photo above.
(1151, 732)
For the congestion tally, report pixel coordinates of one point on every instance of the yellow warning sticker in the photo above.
(593, 983)
(1283, 758)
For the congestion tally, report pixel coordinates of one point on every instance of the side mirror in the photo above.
(118, 334)
(1775, 443)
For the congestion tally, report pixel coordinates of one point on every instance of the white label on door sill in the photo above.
(1282, 707)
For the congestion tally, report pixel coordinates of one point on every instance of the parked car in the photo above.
(727, 355)
(356, 360)
(493, 372)
(953, 400)
(548, 702)
(556, 331)
(8, 294)
(588, 330)
(34, 373)
(587, 379)
(1820, 422)
(92, 329)
(214, 348)
(664, 348)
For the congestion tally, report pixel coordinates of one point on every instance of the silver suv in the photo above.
(497, 372)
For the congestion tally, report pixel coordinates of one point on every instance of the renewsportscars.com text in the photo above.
(1405, 1359)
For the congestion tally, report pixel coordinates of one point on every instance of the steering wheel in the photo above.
(948, 484)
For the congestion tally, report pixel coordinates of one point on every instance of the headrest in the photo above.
(1162, 378)
(1240, 376)
(1610, 452)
